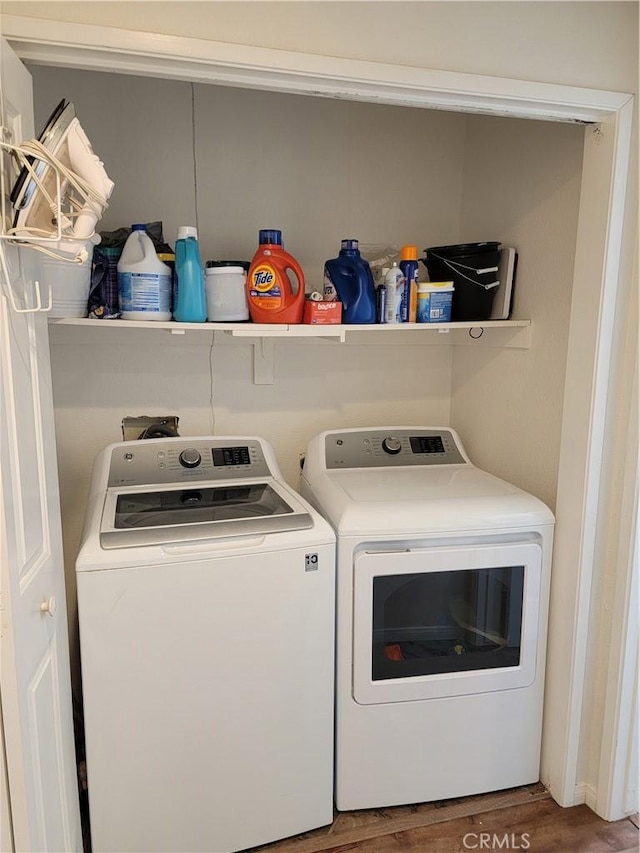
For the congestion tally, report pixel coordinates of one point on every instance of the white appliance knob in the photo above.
(49, 606)
(190, 458)
(391, 445)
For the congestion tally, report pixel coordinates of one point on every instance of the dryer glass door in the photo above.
(445, 621)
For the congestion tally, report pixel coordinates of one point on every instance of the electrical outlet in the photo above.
(134, 428)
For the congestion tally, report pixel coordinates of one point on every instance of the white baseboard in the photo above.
(585, 793)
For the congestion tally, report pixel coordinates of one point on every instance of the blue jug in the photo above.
(349, 276)
(191, 299)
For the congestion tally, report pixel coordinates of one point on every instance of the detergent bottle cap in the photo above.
(349, 245)
(185, 231)
(409, 253)
(270, 236)
(139, 227)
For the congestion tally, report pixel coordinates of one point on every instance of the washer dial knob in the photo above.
(190, 458)
(391, 445)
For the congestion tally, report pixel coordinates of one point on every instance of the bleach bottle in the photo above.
(144, 281)
(270, 294)
(349, 276)
(191, 299)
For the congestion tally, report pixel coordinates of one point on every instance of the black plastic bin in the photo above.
(473, 268)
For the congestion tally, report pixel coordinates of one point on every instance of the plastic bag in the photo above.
(379, 258)
(117, 239)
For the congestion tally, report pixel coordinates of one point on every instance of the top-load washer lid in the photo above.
(184, 490)
(410, 481)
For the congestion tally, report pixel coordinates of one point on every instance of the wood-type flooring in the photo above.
(521, 819)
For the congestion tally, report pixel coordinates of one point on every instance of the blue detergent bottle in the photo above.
(191, 299)
(349, 277)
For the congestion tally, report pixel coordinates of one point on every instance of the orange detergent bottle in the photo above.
(270, 293)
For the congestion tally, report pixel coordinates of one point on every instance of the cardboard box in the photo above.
(322, 313)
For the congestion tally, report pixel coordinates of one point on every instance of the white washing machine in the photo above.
(206, 605)
(442, 593)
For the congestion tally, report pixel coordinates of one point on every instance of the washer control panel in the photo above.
(138, 463)
(392, 448)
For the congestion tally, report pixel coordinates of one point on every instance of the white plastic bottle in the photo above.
(144, 281)
(393, 285)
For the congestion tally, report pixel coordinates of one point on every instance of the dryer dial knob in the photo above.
(391, 445)
(190, 458)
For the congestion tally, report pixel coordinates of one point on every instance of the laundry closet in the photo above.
(234, 160)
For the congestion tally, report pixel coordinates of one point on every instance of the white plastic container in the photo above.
(434, 302)
(226, 286)
(393, 285)
(70, 283)
(144, 281)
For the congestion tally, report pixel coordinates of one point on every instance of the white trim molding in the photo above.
(198, 60)
(594, 305)
(618, 764)
(585, 794)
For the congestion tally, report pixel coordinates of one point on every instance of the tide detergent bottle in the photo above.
(349, 275)
(270, 293)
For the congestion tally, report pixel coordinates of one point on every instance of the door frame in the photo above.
(582, 520)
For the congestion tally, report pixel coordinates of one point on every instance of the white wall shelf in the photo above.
(514, 333)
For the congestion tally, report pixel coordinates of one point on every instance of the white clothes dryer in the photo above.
(206, 606)
(442, 596)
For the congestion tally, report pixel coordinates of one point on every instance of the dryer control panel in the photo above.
(393, 448)
(163, 461)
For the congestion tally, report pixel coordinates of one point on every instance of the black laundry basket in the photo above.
(473, 268)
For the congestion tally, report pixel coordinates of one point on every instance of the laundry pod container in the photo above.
(473, 268)
(226, 287)
(434, 302)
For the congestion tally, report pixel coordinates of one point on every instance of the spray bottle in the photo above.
(393, 285)
(409, 267)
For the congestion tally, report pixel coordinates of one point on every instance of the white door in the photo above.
(35, 683)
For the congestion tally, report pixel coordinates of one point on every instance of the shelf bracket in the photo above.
(263, 361)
